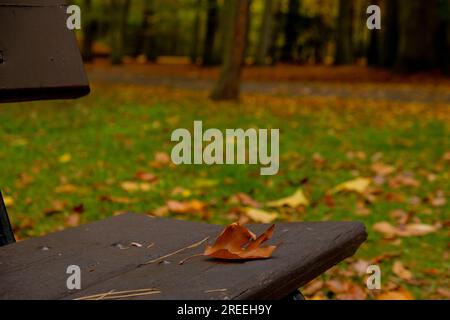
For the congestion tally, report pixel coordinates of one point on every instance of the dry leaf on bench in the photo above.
(236, 242)
(297, 199)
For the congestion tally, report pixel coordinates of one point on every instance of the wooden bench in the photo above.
(134, 251)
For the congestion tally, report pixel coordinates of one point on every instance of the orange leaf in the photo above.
(236, 242)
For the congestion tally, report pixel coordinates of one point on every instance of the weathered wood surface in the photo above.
(39, 57)
(36, 268)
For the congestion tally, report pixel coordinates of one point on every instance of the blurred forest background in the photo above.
(364, 119)
(415, 35)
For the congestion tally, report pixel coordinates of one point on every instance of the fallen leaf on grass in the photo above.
(382, 169)
(346, 290)
(146, 176)
(73, 220)
(131, 186)
(443, 292)
(236, 242)
(245, 200)
(294, 201)
(358, 185)
(9, 201)
(259, 215)
(401, 271)
(185, 206)
(66, 188)
(65, 158)
(58, 206)
(162, 157)
(312, 287)
(120, 200)
(403, 180)
(409, 230)
(401, 294)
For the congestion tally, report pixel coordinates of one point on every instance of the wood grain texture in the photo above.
(36, 268)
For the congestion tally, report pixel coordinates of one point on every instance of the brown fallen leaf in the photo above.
(120, 200)
(403, 180)
(382, 169)
(131, 186)
(58, 206)
(312, 287)
(401, 271)
(185, 206)
(66, 188)
(401, 294)
(443, 292)
(236, 242)
(146, 176)
(245, 200)
(73, 220)
(409, 230)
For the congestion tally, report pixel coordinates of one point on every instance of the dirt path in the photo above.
(313, 83)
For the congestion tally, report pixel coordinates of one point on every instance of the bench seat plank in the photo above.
(36, 268)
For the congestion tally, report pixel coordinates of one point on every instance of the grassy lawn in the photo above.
(65, 163)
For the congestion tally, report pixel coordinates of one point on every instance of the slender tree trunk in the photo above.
(374, 48)
(212, 19)
(418, 26)
(390, 34)
(119, 17)
(88, 31)
(265, 34)
(196, 33)
(228, 84)
(290, 31)
(277, 31)
(343, 53)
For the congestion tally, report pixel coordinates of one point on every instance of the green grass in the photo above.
(116, 132)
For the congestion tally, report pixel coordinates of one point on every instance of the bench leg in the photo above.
(296, 296)
(6, 233)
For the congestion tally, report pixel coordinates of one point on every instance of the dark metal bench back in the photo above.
(39, 60)
(39, 56)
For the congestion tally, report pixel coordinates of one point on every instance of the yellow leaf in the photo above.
(9, 201)
(258, 215)
(66, 188)
(65, 158)
(297, 199)
(358, 185)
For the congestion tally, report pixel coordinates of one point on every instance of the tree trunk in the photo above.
(228, 84)
(374, 48)
(418, 26)
(119, 17)
(343, 53)
(443, 35)
(265, 34)
(212, 19)
(390, 34)
(89, 30)
(196, 32)
(290, 31)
